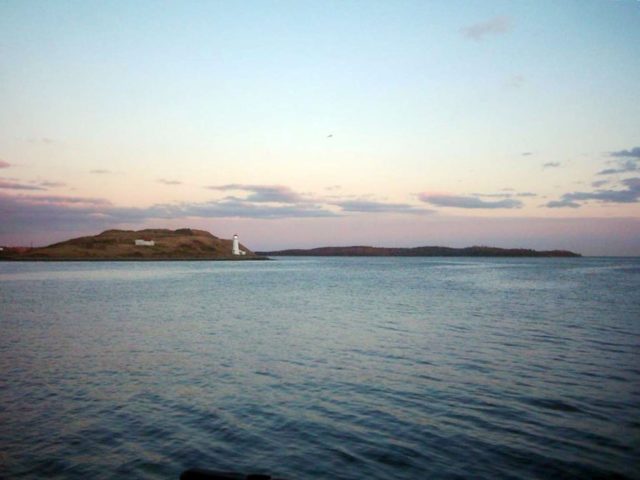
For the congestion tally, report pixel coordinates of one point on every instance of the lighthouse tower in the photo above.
(236, 246)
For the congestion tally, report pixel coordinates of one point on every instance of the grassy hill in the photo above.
(182, 244)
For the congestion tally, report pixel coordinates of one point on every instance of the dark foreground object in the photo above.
(202, 474)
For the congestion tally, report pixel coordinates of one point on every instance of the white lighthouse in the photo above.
(235, 250)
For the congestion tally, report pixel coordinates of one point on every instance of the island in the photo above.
(149, 244)
(365, 251)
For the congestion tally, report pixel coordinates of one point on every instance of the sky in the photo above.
(306, 123)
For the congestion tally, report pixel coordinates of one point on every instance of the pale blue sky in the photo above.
(422, 98)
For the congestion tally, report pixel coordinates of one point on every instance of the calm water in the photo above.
(328, 368)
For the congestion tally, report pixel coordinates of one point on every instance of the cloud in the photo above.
(10, 185)
(4, 164)
(493, 195)
(100, 171)
(599, 183)
(459, 201)
(516, 81)
(631, 194)
(52, 184)
(510, 194)
(551, 165)
(41, 212)
(245, 209)
(368, 206)
(625, 161)
(526, 154)
(565, 202)
(493, 26)
(67, 200)
(41, 140)
(263, 193)
(281, 194)
(623, 167)
(634, 153)
(31, 213)
(165, 181)
(633, 183)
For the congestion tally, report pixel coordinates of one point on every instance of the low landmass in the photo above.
(362, 251)
(157, 244)
(191, 244)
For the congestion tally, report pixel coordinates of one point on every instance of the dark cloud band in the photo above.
(469, 202)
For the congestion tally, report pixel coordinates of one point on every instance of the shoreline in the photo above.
(250, 259)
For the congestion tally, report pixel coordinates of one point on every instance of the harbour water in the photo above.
(322, 368)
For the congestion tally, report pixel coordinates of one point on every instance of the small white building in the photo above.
(144, 243)
(235, 249)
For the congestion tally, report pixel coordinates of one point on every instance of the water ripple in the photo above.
(321, 368)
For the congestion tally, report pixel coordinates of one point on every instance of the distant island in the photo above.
(362, 251)
(150, 244)
(191, 244)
